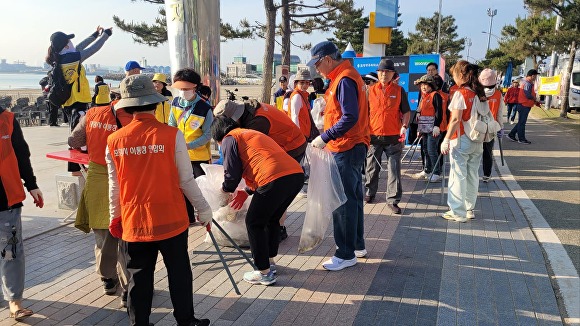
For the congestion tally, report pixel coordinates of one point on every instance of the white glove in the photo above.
(436, 131)
(403, 131)
(38, 198)
(224, 198)
(318, 142)
(445, 146)
(205, 217)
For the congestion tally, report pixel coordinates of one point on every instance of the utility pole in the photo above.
(468, 44)
(490, 13)
(439, 27)
(553, 63)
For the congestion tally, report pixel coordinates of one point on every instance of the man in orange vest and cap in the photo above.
(346, 135)
(149, 172)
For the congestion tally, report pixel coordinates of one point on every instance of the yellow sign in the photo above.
(378, 35)
(549, 85)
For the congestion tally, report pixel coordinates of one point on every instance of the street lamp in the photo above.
(490, 13)
(468, 44)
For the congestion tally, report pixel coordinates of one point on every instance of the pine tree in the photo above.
(350, 29)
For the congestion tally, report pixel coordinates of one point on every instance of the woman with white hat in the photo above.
(298, 105)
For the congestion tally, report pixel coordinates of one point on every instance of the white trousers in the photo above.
(464, 177)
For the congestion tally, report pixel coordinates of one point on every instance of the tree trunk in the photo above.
(566, 94)
(286, 33)
(269, 50)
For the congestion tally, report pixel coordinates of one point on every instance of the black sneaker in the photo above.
(525, 141)
(283, 233)
(124, 299)
(110, 285)
(199, 322)
(512, 138)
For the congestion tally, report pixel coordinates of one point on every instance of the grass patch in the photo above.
(553, 116)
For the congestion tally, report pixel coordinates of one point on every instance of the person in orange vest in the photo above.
(465, 154)
(389, 118)
(272, 177)
(431, 117)
(346, 135)
(511, 100)
(488, 79)
(93, 210)
(147, 209)
(270, 121)
(298, 105)
(14, 167)
(526, 100)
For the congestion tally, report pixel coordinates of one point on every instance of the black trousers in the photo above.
(74, 112)
(263, 218)
(142, 257)
(197, 171)
(52, 114)
(488, 157)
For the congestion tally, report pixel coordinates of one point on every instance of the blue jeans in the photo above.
(429, 146)
(465, 158)
(348, 219)
(511, 111)
(12, 269)
(520, 127)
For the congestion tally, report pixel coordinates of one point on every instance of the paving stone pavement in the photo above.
(420, 270)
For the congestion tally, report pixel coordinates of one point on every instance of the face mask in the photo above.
(186, 95)
(489, 91)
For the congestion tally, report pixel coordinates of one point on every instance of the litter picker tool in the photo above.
(430, 175)
(500, 150)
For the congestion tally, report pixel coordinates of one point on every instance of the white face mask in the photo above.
(186, 95)
(489, 91)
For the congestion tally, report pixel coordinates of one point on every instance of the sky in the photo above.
(28, 24)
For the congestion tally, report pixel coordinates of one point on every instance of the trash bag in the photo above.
(232, 221)
(325, 194)
(318, 106)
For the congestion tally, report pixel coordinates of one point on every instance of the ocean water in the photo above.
(10, 81)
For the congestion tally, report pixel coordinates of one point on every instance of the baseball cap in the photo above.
(132, 65)
(282, 79)
(488, 77)
(320, 50)
(532, 72)
(386, 64)
(59, 40)
(230, 109)
(138, 90)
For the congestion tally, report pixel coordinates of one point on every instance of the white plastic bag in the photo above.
(318, 106)
(232, 221)
(325, 194)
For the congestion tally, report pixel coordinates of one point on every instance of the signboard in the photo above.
(549, 85)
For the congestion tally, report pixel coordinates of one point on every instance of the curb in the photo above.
(565, 279)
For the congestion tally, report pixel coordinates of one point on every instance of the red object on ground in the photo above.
(71, 155)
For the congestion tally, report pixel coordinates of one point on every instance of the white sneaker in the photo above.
(511, 122)
(435, 178)
(421, 175)
(360, 253)
(470, 214)
(452, 217)
(337, 264)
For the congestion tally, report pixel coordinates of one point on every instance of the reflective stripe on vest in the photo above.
(9, 172)
(152, 205)
(262, 159)
(359, 133)
(282, 130)
(385, 110)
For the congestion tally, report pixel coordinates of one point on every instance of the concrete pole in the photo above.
(553, 63)
(439, 27)
(193, 35)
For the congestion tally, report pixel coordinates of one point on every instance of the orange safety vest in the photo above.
(152, 205)
(523, 100)
(100, 123)
(469, 96)
(427, 108)
(359, 133)
(445, 97)
(284, 132)
(452, 90)
(9, 172)
(494, 103)
(262, 159)
(385, 109)
(303, 115)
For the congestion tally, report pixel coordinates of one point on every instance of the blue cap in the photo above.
(132, 65)
(320, 50)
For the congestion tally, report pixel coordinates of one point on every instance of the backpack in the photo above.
(59, 90)
(481, 126)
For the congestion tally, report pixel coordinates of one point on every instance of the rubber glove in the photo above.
(224, 198)
(116, 228)
(239, 198)
(38, 199)
(436, 131)
(403, 131)
(205, 217)
(318, 143)
(500, 134)
(445, 146)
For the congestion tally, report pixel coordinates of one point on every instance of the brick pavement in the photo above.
(420, 270)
